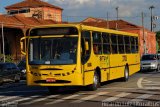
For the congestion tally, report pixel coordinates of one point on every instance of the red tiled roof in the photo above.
(31, 3)
(10, 21)
(23, 22)
(114, 24)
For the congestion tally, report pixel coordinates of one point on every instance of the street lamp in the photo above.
(151, 7)
(117, 11)
(117, 17)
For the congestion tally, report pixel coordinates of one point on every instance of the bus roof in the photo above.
(86, 27)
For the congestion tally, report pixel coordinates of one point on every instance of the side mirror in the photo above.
(23, 45)
(86, 46)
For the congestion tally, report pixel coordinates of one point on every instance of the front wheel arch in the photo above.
(96, 80)
(126, 73)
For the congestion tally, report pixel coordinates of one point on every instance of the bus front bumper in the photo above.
(74, 79)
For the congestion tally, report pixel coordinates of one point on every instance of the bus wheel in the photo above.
(126, 74)
(53, 90)
(96, 82)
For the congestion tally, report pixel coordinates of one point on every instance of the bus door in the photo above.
(85, 57)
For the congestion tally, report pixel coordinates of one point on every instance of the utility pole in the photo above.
(107, 20)
(151, 7)
(144, 37)
(4, 60)
(117, 11)
(117, 17)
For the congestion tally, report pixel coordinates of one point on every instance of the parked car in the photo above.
(9, 72)
(150, 62)
(22, 66)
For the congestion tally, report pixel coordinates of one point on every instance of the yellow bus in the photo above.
(78, 55)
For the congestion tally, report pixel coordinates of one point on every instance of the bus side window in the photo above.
(121, 44)
(136, 42)
(106, 43)
(114, 44)
(133, 44)
(85, 38)
(97, 43)
(127, 44)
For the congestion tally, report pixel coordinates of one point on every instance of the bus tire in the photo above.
(126, 74)
(96, 82)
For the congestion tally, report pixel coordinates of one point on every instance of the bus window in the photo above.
(85, 38)
(133, 47)
(106, 43)
(120, 44)
(97, 43)
(136, 42)
(46, 47)
(127, 44)
(34, 51)
(114, 44)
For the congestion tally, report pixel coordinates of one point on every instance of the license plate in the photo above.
(50, 80)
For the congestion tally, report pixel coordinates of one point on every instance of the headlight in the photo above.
(24, 70)
(153, 64)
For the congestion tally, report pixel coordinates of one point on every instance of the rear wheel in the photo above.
(96, 82)
(126, 74)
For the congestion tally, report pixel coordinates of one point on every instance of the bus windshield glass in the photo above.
(56, 51)
(54, 31)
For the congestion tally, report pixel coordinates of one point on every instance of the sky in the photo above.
(128, 10)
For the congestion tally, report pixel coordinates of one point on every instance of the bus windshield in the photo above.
(57, 51)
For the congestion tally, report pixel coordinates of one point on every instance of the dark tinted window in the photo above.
(24, 10)
(54, 31)
(86, 38)
(127, 44)
(13, 12)
(97, 42)
(22, 64)
(137, 47)
(121, 44)
(13, 66)
(149, 57)
(106, 43)
(8, 66)
(114, 43)
(133, 44)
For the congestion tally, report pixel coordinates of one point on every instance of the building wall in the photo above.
(12, 43)
(151, 42)
(44, 13)
(55, 14)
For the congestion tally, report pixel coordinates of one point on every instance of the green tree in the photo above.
(158, 35)
(8, 58)
(158, 41)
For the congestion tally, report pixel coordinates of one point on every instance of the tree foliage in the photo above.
(158, 41)
(158, 35)
(8, 58)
